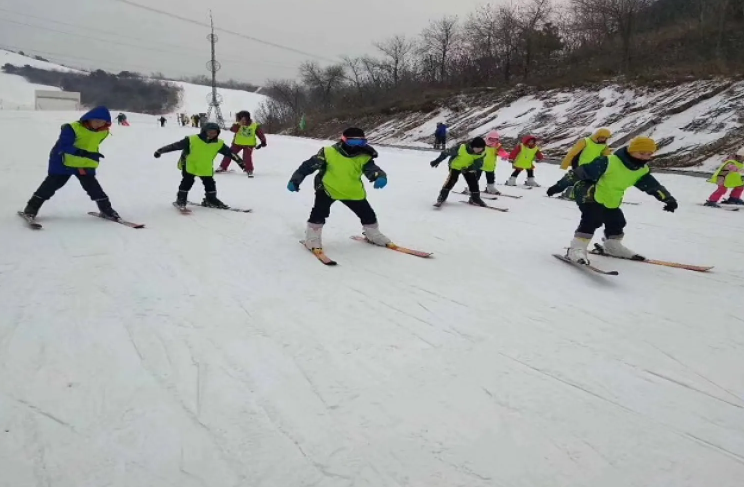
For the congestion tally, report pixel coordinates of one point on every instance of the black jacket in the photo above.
(318, 163)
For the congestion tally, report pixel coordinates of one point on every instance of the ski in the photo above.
(120, 221)
(724, 208)
(483, 195)
(238, 210)
(585, 266)
(320, 255)
(30, 220)
(634, 203)
(504, 210)
(599, 250)
(397, 248)
(182, 209)
(510, 196)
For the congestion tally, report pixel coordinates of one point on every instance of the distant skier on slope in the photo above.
(162, 121)
(599, 193)
(440, 136)
(728, 176)
(76, 153)
(465, 159)
(197, 160)
(246, 134)
(523, 157)
(583, 152)
(340, 169)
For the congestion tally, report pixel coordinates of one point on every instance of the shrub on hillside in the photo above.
(117, 92)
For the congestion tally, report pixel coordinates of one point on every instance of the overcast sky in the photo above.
(115, 35)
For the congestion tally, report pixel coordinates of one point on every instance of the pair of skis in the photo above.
(322, 257)
(439, 204)
(491, 196)
(599, 250)
(34, 225)
(187, 211)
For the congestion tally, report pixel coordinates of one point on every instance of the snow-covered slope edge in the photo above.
(695, 123)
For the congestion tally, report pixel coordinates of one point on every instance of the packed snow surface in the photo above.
(214, 350)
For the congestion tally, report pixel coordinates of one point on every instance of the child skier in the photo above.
(465, 159)
(599, 192)
(246, 132)
(76, 153)
(340, 168)
(523, 158)
(583, 152)
(197, 159)
(728, 176)
(493, 151)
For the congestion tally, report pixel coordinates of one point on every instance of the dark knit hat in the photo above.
(354, 133)
(478, 142)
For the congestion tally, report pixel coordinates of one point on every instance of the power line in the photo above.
(147, 48)
(227, 31)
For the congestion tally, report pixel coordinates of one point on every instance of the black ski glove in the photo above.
(433, 163)
(260, 146)
(671, 205)
(157, 154)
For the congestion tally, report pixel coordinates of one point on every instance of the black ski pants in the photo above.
(54, 182)
(471, 178)
(187, 182)
(490, 177)
(322, 208)
(594, 215)
(517, 171)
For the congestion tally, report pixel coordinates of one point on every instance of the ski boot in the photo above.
(577, 251)
(249, 173)
(476, 200)
(712, 204)
(614, 246)
(210, 201)
(512, 181)
(32, 207)
(373, 235)
(441, 198)
(531, 183)
(313, 236)
(104, 206)
(491, 189)
(733, 201)
(181, 199)
(220, 170)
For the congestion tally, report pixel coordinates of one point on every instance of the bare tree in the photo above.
(397, 51)
(532, 15)
(323, 81)
(438, 41)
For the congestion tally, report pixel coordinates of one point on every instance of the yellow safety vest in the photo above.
(200, 159)
(246, 135)
(526, 157)
(343, 175)
(464, 158)
(592, 151)
(85, 139)
(730, 179)
(611, 187)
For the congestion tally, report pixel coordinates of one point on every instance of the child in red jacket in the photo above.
(246, 134)
(523, 157)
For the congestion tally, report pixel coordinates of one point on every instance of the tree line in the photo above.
(537, 42)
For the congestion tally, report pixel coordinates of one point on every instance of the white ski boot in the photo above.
(373, 234)
(531, 183)
(512, 181)
(491, 189)
(313, 236)
(577, 252)
(614, 246)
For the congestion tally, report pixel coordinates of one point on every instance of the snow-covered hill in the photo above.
(214, 350)
(696, 123)
(16, 93)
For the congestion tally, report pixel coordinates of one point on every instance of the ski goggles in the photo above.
(354, 142)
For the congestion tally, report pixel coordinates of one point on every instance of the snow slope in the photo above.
(696, 123)
(18, 94)
(213, 350)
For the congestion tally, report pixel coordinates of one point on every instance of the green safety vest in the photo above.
(246, 135)
(730, 179)
(85, 139)
(592, 151)
(343, 175)
(200, 159)
(464, 159)
(491, 159)
(611, 187)
(526, 157)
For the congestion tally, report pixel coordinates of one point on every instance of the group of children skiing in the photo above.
(597, 176)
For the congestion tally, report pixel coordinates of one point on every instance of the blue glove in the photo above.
(380, 182)
(291, 186)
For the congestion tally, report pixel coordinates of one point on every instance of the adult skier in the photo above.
(340, 169)
(440, 136)
(523, 158)
(162, 121)
(583, 152)
(247, 133)
(728, 176)
(197, 160)
(465, 159)
(599, 193)
(77, 153)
